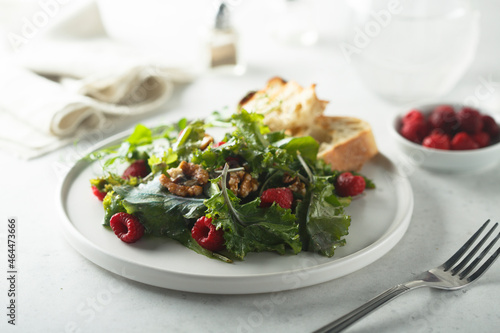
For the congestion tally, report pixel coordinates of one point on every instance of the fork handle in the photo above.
(356, 314)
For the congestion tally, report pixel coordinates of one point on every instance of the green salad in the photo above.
(251, 190)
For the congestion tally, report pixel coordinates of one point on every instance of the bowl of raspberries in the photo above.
(449, 137)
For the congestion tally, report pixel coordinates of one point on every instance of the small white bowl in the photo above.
(444, 160)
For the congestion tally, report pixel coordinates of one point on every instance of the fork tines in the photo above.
(459, 254)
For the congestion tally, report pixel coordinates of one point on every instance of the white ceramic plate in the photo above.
(379, 221)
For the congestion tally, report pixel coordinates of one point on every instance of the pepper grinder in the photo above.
(223, 45)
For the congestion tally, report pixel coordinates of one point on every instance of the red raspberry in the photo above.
(482, 139)
(444, 117)
(205, 234)
(470, 120)
(215, 145)
(413, 115)
(100, 195)
(283, 196)
(490, 126)
(127, 227)
(137, 169)
(414, 131)
(462, 141)
(348, 185)
(438, 140)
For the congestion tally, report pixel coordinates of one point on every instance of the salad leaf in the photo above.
(181, 124)
(317, 221)
(251, 126)
(250, 228)
(306, 146)
(324, 221)
(274, 137)
(158, 164)
(140, 136)
(189, 139)
(141, 144)
(112, 204)
(164, 214)
(155, 204)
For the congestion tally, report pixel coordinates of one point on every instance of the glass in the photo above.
(411, 50)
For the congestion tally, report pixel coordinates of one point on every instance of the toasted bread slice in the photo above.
(285, 105)
(346, 143)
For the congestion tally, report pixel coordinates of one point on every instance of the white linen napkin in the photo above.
(96, 79)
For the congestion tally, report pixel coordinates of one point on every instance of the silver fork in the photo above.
(448, 276)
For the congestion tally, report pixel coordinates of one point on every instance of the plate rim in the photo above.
(267, 282)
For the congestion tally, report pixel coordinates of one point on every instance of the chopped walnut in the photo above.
(187, 179)
(175, 173)
(234, 180)
(295, 184)
(207, 139)
(248, 184)
(242, 183)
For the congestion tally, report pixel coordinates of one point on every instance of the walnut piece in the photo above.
(187, 179)
(242, 183)
(295, 184)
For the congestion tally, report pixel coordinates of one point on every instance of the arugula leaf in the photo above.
(323, 222)
(189, 139)
(274, 137)
(307, 146)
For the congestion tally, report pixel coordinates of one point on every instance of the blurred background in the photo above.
(176, 33)
(394, 52)
(178, 27)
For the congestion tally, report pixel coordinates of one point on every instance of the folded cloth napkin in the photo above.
(56, 89)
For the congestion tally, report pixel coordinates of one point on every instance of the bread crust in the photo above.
(344, 153)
